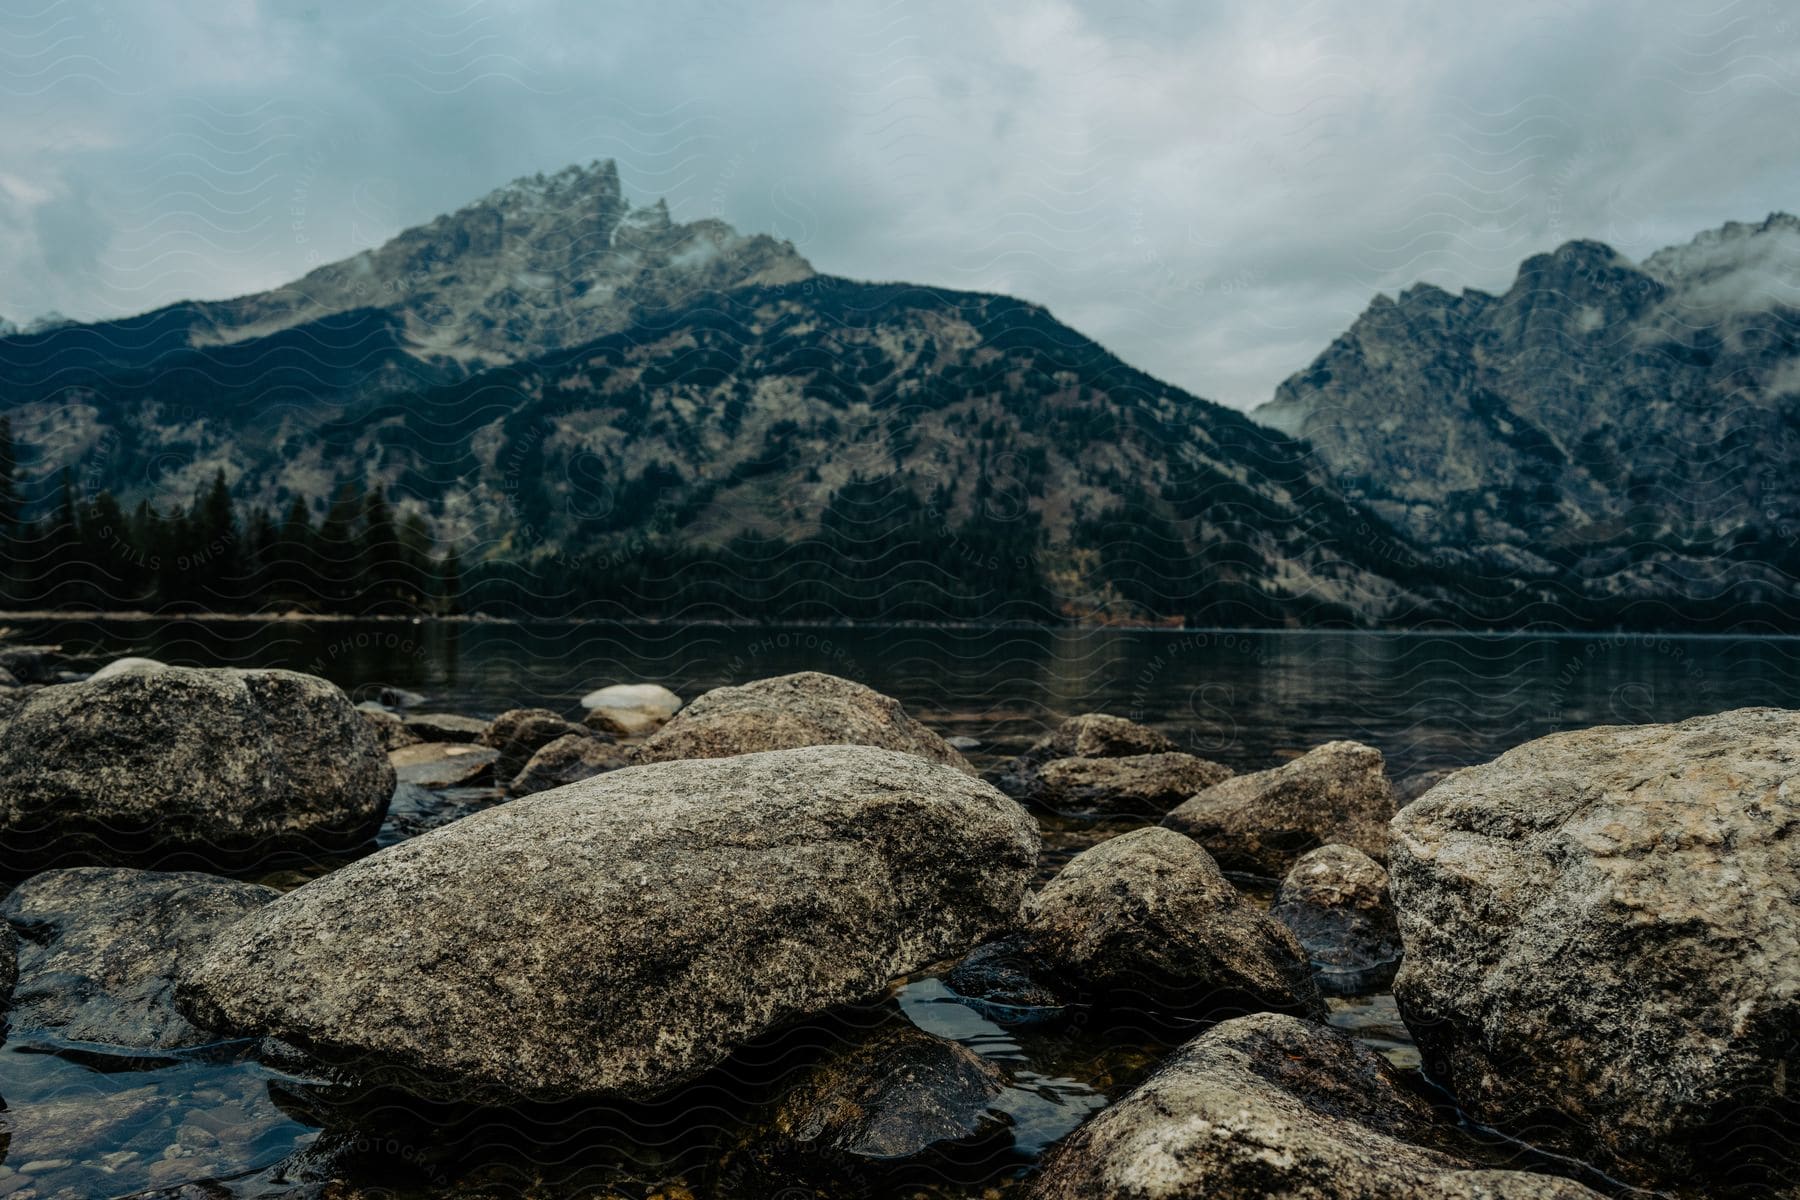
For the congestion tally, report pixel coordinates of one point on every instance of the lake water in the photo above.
(84, 1121)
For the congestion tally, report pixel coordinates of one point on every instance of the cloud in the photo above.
(1213, 191)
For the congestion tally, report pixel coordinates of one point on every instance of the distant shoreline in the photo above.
(477, 619)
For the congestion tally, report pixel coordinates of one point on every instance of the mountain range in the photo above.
(1633, 428)
(607, 411)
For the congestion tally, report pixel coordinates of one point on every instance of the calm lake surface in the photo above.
(1246, 699)
(87, 1121)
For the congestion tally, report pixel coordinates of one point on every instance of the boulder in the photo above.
(444, 727)
(1090, 735)
(100, 947)
(630, 709)
(1260, 824)
(1268, 1107)
(212, 765)
(1145, 920)
(388, 729)
(894, 1095)
(443, 764)
(569, 759)
(789, 711)
(519, 733)
(126, 666)
(1603, 943)
(626, 933)
(1146, 785)
(1335, 901)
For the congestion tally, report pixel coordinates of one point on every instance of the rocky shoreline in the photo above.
(714, 923)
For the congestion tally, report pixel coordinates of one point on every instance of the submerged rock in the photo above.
(1260, 824)
(895, 1095)
(630, 709)
(444, 727)
(1268, 1107)
(1145, 920)
(569, 759)
(443, 764)
(626, 933)
(1003, 976)
(1336, 902)
(789, 711)
(521, 732)
(1603, 943)
(101, 948)
(1090, 735)
(207, 764)
(416, 810)
(1146, 785)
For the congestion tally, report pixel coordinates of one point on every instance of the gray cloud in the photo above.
(1212, 191)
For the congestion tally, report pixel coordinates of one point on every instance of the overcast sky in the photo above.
(1211, 190)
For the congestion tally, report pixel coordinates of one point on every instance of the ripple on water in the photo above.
(80, 1121)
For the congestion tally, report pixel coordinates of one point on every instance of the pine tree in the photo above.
(338, 551)
(381, 560)
(215, 553)
(66, 572)
(294, 567)
(10, 512)
(449, 590)
(415, 560)
(10, 505)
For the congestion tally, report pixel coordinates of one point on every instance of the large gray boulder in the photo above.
(1146, 920)
(626, 933)
(1603, 943)
(789, 711)
(100, 948)
(1336, 902)
(1140, 785)
(1268, 1107)
(185, 762)
(1260, 824)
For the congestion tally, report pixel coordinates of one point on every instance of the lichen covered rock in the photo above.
(1268, 1107)
(1260, 824)
(789, 711)
(1603, 943)
(182, 763)
(626, 933)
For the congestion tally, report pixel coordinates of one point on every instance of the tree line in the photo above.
(88, 552)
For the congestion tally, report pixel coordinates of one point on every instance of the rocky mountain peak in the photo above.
(543, 262)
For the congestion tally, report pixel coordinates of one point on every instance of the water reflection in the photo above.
(1246, 699)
